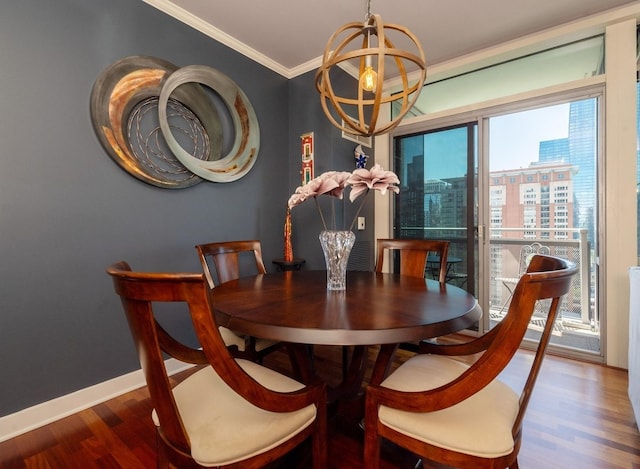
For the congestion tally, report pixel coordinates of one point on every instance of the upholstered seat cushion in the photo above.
(480, 425)
(223, 427)
(231, 338)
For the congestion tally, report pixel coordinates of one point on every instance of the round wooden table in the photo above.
(375, 309)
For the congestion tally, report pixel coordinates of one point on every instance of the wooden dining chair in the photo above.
(414, 258)
(414, 255)
(221, 262)
(462, 415)
(229, 413)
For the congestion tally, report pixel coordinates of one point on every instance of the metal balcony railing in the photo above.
(507, 244)
(578, 307)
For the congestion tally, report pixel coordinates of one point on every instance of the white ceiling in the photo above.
(290, 35)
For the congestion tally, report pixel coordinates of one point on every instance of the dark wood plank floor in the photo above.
(579, 417)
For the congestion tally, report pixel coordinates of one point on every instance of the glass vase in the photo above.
(336, 246)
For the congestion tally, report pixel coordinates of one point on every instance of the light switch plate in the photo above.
(360, 223)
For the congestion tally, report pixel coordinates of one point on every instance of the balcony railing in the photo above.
(578, 321)
(571, 243)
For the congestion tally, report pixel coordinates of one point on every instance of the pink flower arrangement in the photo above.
(334, 183)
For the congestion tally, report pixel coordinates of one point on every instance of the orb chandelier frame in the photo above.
(370, 59)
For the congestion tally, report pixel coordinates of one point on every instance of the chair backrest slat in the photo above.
(414, 255)
(546, 278)
(225, 256)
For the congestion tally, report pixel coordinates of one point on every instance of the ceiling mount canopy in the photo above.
(368, 47)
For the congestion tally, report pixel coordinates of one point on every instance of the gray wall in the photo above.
(332, 153)
(67, 210)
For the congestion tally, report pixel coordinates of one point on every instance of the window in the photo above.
(561, 64)
(496, 217)
(530, 217)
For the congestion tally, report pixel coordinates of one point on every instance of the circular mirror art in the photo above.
(132, 123)
(242, 155)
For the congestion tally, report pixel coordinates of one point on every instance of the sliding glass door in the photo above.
(526, 182)
(543, 197)
(437, 200)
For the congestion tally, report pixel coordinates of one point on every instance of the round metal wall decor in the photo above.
(131, 124)
(242, 155)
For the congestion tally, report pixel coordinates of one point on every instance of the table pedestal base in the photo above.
(351, 386)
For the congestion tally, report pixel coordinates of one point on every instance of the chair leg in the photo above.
(162, 461)
(345, 362)
(371, 445)
(301, 357)
(508, 298)
(319, 439)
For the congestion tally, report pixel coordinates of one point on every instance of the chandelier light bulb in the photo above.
(369, 79)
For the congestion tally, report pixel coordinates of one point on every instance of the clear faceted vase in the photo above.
(336, 246)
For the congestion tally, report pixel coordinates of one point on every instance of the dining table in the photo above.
(376, 309)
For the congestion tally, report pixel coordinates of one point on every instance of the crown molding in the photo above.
(207, 29)
(305, 67)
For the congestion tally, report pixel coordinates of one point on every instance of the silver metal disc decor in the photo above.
(132, 125)
(242, 156)
(149, 148)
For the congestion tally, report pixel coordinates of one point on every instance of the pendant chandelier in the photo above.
(368, 47)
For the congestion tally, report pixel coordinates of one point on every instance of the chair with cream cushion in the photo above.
(444, 410)
(228, 413)
(223, 260)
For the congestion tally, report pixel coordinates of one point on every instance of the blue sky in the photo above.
(514, 139)
(514, 142)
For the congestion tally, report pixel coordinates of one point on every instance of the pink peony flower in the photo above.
(330, 183)
(333, 183)
(376, 178)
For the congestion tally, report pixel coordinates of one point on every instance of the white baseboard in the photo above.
(39, 415)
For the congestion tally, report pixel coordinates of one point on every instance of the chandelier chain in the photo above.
(368, 15)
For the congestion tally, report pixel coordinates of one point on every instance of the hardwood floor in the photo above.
(579, 417)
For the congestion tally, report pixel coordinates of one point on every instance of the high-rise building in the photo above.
(579, 149)
(536, 204)
(533, 198)
(553, 150)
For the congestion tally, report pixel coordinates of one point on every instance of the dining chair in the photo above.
(414, 258)
(447, 411)
(221, 262)
(229, 413)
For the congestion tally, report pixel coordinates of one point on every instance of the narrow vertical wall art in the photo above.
(306, 141)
